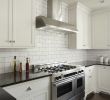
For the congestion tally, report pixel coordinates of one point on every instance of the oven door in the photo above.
(63, 90)
(80, 83)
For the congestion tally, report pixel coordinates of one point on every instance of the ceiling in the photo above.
(95, 4)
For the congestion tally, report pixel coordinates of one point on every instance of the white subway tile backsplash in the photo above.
(95, 54)
(50, 46)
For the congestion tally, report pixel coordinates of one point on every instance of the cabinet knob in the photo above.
(13, 41)
(90, 76)
(104, 67)
(10, 41)
(89, 70)
(28, 89)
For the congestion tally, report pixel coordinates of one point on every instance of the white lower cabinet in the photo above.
(97, 79)
(38, 89)
(103, 77)
(90, 79)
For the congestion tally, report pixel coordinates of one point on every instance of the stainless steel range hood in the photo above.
(51, 22)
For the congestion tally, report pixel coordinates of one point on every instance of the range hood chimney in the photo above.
(52, 21)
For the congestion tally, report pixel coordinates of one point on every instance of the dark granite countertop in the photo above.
(88, 63)
(8, 79)
(5, 95)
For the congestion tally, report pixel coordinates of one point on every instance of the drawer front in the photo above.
(27, 87)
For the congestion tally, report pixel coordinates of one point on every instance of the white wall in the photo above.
(50, 47)
(95, 54)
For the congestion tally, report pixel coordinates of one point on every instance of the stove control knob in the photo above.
(79, 71)
(57, 78)
(62, 75)
(75, 73)
(82, 70)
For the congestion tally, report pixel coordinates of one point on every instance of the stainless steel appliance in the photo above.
(68, 81)
(69, 85)
(53, 20)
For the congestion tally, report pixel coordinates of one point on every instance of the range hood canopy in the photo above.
(51, 22)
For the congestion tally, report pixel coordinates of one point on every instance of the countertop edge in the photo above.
(6, 85)
(4, 95)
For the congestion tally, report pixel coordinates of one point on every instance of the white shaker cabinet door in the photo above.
(104, 78)
(4, 23)
(38, 89)
(39, 95)
(22, 23)
(35, 95)
(80, 17)
(99, 31)
(90, 79)
(84, 27)
(108, 31)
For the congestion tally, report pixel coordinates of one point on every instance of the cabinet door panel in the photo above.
(80, 16)
(109, 30)
(83, 25)
(80, 29)
(22, 25)
(104, 79)
(4, 23)
(25, 96)
(38, 90)
(99, 29)
(87, 31)
(39, 95)
(90, 79)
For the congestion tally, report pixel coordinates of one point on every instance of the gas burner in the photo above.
(61, 71)
(59, 68)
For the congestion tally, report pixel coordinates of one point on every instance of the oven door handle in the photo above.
(63, 82)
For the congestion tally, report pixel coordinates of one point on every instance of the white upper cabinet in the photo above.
(100, 31)
(80, 16)
(4, 23)
(22, 25)
(15, 23)
(84, 27)
(108, 45)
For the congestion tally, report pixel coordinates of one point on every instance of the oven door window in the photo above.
(64, 88)
(79, 82)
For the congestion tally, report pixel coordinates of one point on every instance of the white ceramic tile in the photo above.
(50, 46)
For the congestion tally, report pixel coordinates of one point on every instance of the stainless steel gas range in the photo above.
(68, 81)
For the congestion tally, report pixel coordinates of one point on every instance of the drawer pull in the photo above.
(13, 41)
(10, 41)
(28, 89)
(90, 76)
